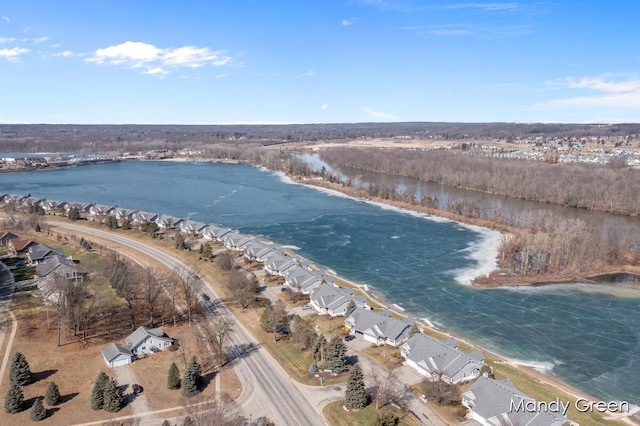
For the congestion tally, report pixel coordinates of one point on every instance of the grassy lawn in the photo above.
(336, 416)
(386, 356)
(73, 367)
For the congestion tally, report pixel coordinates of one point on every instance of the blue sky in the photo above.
(318, 61)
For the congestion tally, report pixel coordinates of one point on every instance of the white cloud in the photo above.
(40, 39)
(12, 55)
(378, 114)
(129, 52)
(7, 40)
(6, 20)
(610, 93)
(55, 46)
(156, 61)
(156, 72)
(194, 57)
(345, 23)
(324, 106)
(67, 54)
(309, 73)
(222, 75)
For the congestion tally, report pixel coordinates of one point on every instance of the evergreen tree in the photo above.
(20, 373)
(74, 214)
(97, 392)
(52, 394)
(13, 399)
(336, 359)
(355, 396)
(192, 377)
(173, 379)
(320, 351)
(112, 222)
(38, 412)
(113, 398)
(351, 306)
(166, 423)
(188, 422)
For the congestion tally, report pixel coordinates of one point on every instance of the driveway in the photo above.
(138, 403)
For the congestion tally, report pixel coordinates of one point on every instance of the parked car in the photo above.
(349, 337)
(206, 297)
(136, 388)
(284, 289)
(305, 307)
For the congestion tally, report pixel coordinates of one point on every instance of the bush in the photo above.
(52, 394)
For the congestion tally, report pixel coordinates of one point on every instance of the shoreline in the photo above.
(497, 278)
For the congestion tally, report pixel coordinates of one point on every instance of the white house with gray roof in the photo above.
(378, 327)
(497, 402)
(333, 300)
(441, 359)
(254, 250)
(191, 227)
(166, 221)
(278, 264)
(38, 253)
(301, 279)
(237, 241)
(116, 355)
(145, 341)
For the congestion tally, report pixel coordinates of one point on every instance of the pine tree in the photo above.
(52, 394)
(386, 419)
(113, 398)
(38, 412)
(166, 423)
(320, 351)
(173, 380)
(351, 306)
(192, 377)
(13, 399)
(112, 222)
(20, 373)
(355, 396)
(97, 392)
(336, 359)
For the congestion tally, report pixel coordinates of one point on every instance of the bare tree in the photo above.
(152, 287)
(188, 284)
(241, 288)
(124, 281)
(217, 412)
(216, 333)
(387, 388)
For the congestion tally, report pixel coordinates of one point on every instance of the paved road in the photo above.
(267, 389)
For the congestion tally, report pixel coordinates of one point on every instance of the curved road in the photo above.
(267, 389)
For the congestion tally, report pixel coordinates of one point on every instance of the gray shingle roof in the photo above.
(138, 336)
(113, 350)
(493, 400)
(40, 251)
(379, 324)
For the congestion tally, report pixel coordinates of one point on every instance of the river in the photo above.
(584, 336)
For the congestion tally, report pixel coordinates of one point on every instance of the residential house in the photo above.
(101, 210)
(256, 249)
(19, 245)
(141, 217)
(54, 206)
(278, 264)
(497, 402)
(237, 241)
(165, 221)
(82, 207)
(441, 359)
(116, 355)
(145, 341)
(5, 236)
(333, 300)
(378, 327)
(13, 198)
(302, 279)
(123, 214)
(60, 265)
(38, 252)
(220, 234)
(191, 227)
